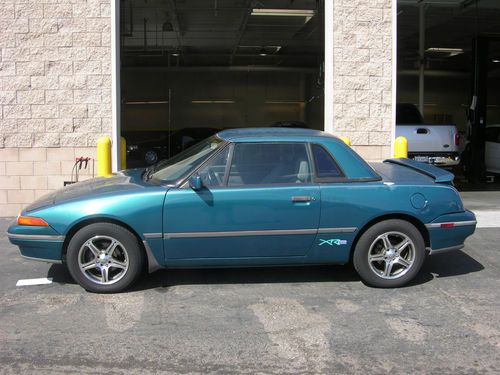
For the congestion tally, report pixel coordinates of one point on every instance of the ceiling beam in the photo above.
(241, 31)
(175, 22)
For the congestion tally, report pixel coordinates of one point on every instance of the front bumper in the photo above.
(37, 243)
(449, 232)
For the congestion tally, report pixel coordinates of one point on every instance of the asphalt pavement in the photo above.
(317, 320)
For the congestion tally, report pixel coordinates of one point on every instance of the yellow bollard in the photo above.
(104, 156)
(123, 153)
(401, 147)
(346, 140)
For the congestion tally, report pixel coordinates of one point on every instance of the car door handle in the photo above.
(302, 198)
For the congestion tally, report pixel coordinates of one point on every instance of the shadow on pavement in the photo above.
(256, 275)
(440, 265)
(453, 263)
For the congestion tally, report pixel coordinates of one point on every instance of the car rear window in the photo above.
(325, 165)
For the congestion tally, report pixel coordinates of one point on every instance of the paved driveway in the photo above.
(272, 320)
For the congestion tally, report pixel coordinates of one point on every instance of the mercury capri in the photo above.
(245, 198)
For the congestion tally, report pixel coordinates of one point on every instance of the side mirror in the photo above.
(195, 182)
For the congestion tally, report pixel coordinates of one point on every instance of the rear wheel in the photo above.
(389, 254)
(104, 258)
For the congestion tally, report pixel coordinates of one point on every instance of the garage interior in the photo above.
(458, 57)
(192, 67)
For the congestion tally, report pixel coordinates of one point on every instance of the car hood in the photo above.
(121, 182)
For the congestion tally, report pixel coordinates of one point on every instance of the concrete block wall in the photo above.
(362, 63)
(29, 173)
(55, 93)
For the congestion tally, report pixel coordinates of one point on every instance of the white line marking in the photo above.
(487, 219)
(28, 282)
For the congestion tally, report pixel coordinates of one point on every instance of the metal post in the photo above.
(421, 55)
(115, 85)
(328, 68)
(104, 157)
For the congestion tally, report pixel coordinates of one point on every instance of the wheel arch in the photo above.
(401, 216)
(81, 224)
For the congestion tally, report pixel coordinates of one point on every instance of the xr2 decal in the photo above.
(333, 241)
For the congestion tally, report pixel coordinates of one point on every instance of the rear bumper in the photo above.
(444, 159)
(449, 232)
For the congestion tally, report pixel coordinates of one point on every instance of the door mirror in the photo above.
(195, 182)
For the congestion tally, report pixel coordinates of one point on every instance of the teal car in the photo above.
(245, 198)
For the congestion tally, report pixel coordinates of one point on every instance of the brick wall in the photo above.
(362, 45)
(55, 92)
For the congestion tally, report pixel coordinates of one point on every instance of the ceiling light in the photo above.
(176, 53)
(262, 52)
(495, 60)
(449, 51)
(220, 101)
(283, 12)
(143, 102)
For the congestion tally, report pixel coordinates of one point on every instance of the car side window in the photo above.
(213, 173)
(269, 163)
(325, 165)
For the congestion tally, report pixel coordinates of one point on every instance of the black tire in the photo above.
(372, 244)
(127, 252)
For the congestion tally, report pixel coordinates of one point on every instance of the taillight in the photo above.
(457, 139)
(447, 225)
(32, 221)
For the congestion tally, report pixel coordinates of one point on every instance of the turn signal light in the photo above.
(32, 221)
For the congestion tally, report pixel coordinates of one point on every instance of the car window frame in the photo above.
(185, 179)
(314, 180)
(318, 179)
(344, 178)
(185, 183)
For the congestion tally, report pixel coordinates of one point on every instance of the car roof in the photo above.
(271, 134)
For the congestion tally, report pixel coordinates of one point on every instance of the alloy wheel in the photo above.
(391, 255)
(103, 260)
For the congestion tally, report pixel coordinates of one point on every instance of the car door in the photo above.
(258, 202)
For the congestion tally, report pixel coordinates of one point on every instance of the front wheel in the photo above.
(389, 254)
(104, 258)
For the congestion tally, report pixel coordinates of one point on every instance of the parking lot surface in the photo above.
(318, 320)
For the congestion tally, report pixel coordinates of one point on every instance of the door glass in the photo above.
(213, 173)
(269, 163)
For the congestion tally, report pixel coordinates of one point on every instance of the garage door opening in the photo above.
(448, 66)
(192, 67)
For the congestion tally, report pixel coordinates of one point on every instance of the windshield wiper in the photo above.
(148, 172)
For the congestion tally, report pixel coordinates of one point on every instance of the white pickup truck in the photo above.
(433, 144)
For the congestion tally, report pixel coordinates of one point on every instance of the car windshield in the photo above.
(171, 170)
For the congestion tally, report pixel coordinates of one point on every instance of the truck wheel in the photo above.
(389, 254)
(104, 258)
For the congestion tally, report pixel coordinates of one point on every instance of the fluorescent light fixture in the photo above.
(285, 102)
(222, 101)
(283, 12)
(449, 51)
(143, 102)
